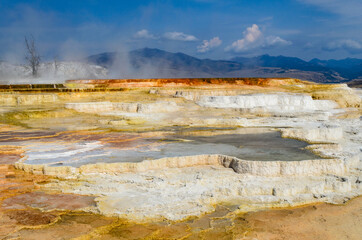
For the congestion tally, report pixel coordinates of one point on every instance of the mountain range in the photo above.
(156, 63)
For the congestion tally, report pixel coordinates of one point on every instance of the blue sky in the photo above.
(203, 28)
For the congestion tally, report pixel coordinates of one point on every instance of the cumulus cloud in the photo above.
(207, 45)
(179, 36)
(145, 34)
(254, 38)
(344, 44)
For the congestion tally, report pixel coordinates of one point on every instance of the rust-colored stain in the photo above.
(183, 82)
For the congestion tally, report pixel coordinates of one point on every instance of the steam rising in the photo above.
(50, 72)
(131, 66)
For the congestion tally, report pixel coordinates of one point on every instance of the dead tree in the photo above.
(56, 65)
(32, 56)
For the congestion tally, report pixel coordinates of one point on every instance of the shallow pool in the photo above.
(98, 147)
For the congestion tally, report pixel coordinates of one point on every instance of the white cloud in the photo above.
(275, 40)
(207, 45)
(179, 36)
(345, 44)
(145, 34)
(254, 38)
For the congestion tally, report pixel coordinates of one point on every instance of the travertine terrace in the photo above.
(153, 150)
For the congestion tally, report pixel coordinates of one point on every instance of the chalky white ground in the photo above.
(161, 189)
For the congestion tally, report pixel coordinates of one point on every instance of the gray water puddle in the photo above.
(261, 146)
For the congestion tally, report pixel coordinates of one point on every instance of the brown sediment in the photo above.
(25, 135)
(317, 221)
(9, 158)
(20, 217)
(68, 226)
(48, 201)
(12, 183)
(21, 196)
(32, 217)
(10, 154)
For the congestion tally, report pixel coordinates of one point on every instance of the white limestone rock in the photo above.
(268, 102)
(323, 133)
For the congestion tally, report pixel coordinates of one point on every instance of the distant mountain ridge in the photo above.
(151, 62)
(180, 60)
(279, 61)
(350, 68)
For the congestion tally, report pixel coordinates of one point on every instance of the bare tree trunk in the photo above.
(56, 65)
(32, 55)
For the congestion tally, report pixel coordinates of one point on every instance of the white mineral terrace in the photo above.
(179, 187)
(97, 107)
(271, 102)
